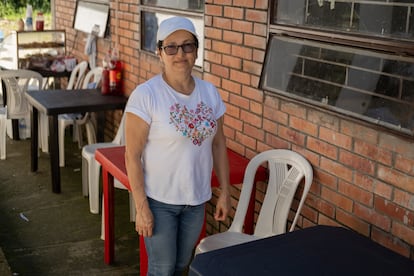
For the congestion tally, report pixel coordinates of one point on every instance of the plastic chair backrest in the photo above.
(120, 134)
(16, 83)
(77, 75)
(286, 171)
(92, 78)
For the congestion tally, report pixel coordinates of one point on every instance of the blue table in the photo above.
(319, 250)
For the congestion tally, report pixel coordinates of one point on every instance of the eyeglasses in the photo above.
(173, 49)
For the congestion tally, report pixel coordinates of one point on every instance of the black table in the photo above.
(319, 250)
(55, 102)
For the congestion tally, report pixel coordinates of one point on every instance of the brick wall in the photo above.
(364, 178)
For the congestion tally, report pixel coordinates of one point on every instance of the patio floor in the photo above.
(42, 233)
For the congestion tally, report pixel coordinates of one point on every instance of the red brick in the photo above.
(303, 125)
(391, 242)
(294, 109)
(256, 15)
(222, 23)
(291, 135)
(323, 220)
(403, 232)
(369, 215)
(275, 142)
(213, 33)
(241, 52)
(244, 3)
(352, 222)
(364, 181)
(335, 138)
(326, 178)
(358, 131)
(372, 151)
(398, 179)
(356, 193)
(397, 144)
(322, 147)
(269, 126)
(395, 212)
(221, 47)
(239, 101)
(253, 131)
(337, 169)
(251, 118)
(256, 108)
(232, 62)
(383, 189)
(275, 115)
(213, 10)
(252, 93)
(323, 119)
(233, 37)
(233, 12)
(251, 67)
(240, 77)
(231, 86)
(220, 70)
(404, 164)
(335, 198)
(357, 162)
(258, 56)
(404, 199)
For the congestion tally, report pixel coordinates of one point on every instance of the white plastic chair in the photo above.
(16, 83)
(3, 121)
(91, 170)
(64, 120)
(286, 171)
(91, 80)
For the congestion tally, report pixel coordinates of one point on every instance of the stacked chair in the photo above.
(15, 84)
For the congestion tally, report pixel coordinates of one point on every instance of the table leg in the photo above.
(34, 139)
(109, 221)
(143, 257)
(54, 154)
(100, 128)
(15, 129)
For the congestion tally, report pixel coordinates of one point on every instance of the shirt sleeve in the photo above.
(139, 103)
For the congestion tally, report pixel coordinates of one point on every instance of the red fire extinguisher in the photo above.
(105, 81)
(112, 83)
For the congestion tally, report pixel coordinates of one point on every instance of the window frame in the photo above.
(196, 17)
(400, 47)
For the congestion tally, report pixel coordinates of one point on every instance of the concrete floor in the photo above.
(42, 233)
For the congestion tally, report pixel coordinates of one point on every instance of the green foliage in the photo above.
(8, 8)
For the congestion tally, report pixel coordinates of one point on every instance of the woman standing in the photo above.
(174, 138)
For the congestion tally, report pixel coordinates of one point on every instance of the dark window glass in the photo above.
(193, 5)
(377, 18)
(369, 85)
(149, 28)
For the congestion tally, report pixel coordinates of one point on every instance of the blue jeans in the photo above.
(175, 234)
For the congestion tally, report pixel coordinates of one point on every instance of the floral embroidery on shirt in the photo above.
(196, 124)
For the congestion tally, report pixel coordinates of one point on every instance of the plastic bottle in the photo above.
(29, 18)
(40, 22)
(115, 74)
(105, 75)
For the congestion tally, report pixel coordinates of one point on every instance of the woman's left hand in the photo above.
(223, 206)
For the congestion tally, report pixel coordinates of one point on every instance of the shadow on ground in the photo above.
(42, 233)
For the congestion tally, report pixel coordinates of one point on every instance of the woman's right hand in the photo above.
(144, 220)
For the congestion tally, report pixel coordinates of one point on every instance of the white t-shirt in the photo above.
(177, 159)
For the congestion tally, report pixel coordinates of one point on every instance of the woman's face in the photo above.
(180, 62)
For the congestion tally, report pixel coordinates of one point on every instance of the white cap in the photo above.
(170, 25)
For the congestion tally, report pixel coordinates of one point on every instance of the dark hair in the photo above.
(160, 42)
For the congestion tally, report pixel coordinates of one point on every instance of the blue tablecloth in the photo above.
(319, 250)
